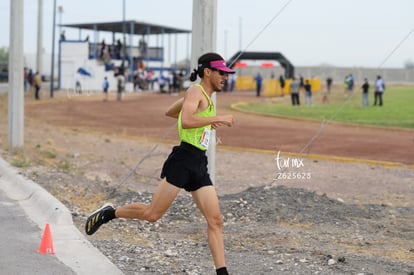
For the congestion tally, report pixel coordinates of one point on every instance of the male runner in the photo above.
(186, 166)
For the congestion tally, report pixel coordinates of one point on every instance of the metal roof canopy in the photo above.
(131, 27)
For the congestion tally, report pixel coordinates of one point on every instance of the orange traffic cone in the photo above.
(46, 245)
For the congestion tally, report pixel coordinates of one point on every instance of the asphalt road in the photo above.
(21, 239)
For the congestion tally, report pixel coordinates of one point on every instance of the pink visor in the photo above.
(221, 66)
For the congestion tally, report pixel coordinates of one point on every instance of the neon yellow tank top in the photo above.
(198, 137)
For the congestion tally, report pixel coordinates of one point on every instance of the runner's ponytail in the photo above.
(193, 76)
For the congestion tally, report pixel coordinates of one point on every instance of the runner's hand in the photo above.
(226, 120)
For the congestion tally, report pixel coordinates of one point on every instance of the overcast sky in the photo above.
(361, 33)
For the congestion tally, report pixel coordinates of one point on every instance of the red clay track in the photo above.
(143, 115)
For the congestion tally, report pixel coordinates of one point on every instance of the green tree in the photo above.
(4, 58)
(4, 54)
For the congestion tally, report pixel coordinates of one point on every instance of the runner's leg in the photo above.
(207, 201)
(161, 201)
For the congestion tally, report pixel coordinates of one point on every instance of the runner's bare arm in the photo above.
(195, 102)
(175, 108)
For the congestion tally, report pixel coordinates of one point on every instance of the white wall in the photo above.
(75, 55)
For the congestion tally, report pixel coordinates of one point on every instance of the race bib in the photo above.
(205, 138)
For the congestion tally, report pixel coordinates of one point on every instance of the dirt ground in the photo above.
(85, 124)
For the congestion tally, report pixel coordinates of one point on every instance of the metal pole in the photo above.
(146, 44)
(52, 74)
(175, 52)
(60, 10)
(96, 41)
(169, 49)
(124, 37)
(39, 59)
(16, 96)
(204, 40)
(163, 47)
(131, 57)
(187, 62)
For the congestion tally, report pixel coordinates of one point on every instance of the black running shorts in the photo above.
(186, 167)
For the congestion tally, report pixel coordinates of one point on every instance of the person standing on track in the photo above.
(105, 88)
(37, 82)
(379, 90)
(294, 91)
(365, 89)
(186, 166)
(259, 81)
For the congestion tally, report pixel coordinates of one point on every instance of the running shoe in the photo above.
(98, 218)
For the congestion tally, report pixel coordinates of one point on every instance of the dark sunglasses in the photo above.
(220, 72)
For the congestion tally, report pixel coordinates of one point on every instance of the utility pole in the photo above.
(124, 38)
(16, 96)
(204, 40)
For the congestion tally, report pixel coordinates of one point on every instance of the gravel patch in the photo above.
(347, 218)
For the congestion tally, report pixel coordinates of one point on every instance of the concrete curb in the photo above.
(71, 247)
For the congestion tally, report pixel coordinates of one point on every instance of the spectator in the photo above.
(105, 87)
(282, 84)
(232, 80)
(301, 82)
(106, 58)
(25, 79)
(259, 81)
(161, 82)
(143, 48)
(349, 84)
(181, 79)
(176, 83)
(325, 98)
(30, 77)
(169, 82)
(346, 83)
(308, 93)
(62, 36)
(294, 91)
(329, 84)
(149, 80)
(118, 49)
(365, 88)
(136, 80)
(120, 86)
(104, 49)
(325, 95)
(379, 90)
(37, 81)
(78, 86)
